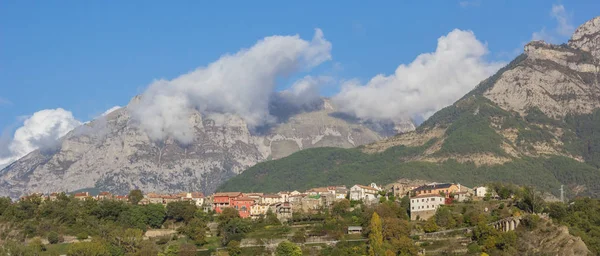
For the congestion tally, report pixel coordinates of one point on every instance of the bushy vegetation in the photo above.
(324, 166)
(105, 227)
(582, 216)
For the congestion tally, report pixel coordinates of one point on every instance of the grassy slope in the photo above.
(469, 131)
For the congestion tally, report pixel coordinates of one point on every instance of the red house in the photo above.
(243, 205)
(224, 200)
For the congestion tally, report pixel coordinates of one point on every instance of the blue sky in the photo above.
(87, 56)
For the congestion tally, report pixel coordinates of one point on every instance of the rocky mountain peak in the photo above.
(587, 37)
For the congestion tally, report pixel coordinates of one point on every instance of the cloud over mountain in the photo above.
(39, 131)
(240, 83)
(429, 83)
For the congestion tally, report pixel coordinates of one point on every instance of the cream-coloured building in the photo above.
(364, 193)
(422, 207)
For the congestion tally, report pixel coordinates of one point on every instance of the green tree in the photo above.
(375, 236)
(443, 218)
(299, 236)
(155, 215)
(287, 248)
(88, 249)
(135, 196)
(195, 230)
(395, 228)
(341, 207)
(404, 246)
(54, 238)
(233, 248)
(134, 217)
(4, 204)
(181, 211)
(271, 218)
(430, 226)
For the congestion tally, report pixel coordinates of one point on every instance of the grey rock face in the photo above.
(113, 154)
(557, 79)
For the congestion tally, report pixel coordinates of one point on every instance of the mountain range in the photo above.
(535, 122)
(112, 153)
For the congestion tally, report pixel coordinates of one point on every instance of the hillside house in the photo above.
(81, 195)
(196, 197)
(424, 206)
(271, 199)
(104, 196)
(224, 199)
(436, 189)
(480, 191)
(341, 193)
(243, 205)
(364, 193)
(283, 211)
(318, 191)
(256, 210)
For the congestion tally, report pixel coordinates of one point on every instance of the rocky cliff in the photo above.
(112, 153)
(535, 122)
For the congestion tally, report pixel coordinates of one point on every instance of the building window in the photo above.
(413, 208)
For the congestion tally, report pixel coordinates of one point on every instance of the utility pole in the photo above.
(562, 194)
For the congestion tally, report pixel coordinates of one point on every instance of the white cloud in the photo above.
(304, 91)
(110, 110)
(39, 131)
(564, 27)
(429, 83)
(241, 84)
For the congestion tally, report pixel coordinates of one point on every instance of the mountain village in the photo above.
(425, 199)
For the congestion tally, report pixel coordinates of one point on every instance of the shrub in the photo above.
(82, 235)
(54, 238)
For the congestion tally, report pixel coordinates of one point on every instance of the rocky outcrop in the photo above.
(556, 79)
(587, 37)
(113, 154)
(550, 239)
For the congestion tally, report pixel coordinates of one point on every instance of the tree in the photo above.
(341, 207)
(375, 236)
(287, 248)
(54, 238)
(195, 230)
(134, 217)
(395, 228)
(299, 236)
(155, 215)
(88, 249)
(271, 218)
(430, 226)
(443, 218)
(228, 214)
(4, 204)
(404, 246)
(135, 196)
(233, 248)
(181, 211)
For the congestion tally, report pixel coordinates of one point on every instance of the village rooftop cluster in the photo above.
(424, 199)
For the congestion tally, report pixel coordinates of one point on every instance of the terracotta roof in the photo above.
(228, 194)
(104, 193)
(365, 187)
(197, 195)
(82, 194)
(318, 190)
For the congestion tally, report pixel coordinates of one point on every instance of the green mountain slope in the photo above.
(535, 122)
